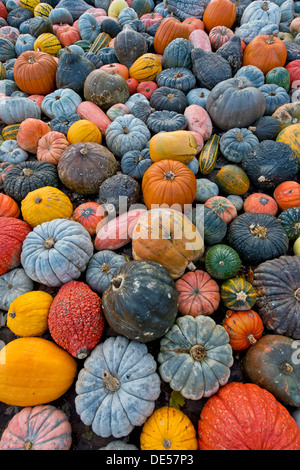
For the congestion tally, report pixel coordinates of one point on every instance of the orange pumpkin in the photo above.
(287, 194)
(194, 23)
(219, 13)
(8, 207)
(67, 35)
(169, 29)
(265, 52)
(30, 132)
(244, 327)
(223, 207)
(34, 72)
(51, 146)
(116, 68)
(89, 214)
(260, 202)
(169, 183)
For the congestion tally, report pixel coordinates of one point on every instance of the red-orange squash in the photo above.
(169, 29)
(8, 207)
(30, 132)
(219, 13)
(244, 327)
(265, 52)
(223, 207)
(89, 214)
(260, 202)
(115, 67)
(194, 23)
(51, 147)
(287, 194)
(12, 235)
(92, 112)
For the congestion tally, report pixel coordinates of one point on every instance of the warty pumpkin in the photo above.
(28, 314)
(34, 72)
(244, 328)
(47, 368)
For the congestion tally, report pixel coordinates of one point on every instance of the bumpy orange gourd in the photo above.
(34, 371)
(168, 429)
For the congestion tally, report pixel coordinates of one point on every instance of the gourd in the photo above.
(275, 96)
(135, 163)
(178, 54)
(279, 276)
(105, 89)
(205, 66)
(51, 146)
(239, 401)
(222, 262)
(290, 136)
(238, 294)
(84, 131)
(13, 233)
(209, 154)
(176, 145)
(260, 202)
(170, 99)
(290, 222)
(48, 369)
(42, 427)
(11, 152)
(166, 121)
(198, 294)
(123, 305)
(8, 207)
(179, 78)
(232, 179)
(205, 190)
(219, 13)
(92, 112)
(30, 132)
(13, 284)
(72, 70)
(145, 67)
(198, 120)
(244, 328)
(235, 142)
(28, 313)
(168, 429)
(209, 224)
(223, 207)
(271, 48)
(59, 265)
(118, 193)
(89, 215)
(129, 45)
(61, 103)
(47, 42)
(287, 194)
(195, 357)
(14, 110)
(101, 268)
(75, 319)
(126, 387)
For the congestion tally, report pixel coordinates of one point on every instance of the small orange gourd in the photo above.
(244, 327)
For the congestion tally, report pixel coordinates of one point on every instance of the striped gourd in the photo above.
(42, 9)
(146, 67)
(29, 4)
(208, 155)
(10, 132)
(238, 294)
(84, 44)
(47, 42)
(102, 40)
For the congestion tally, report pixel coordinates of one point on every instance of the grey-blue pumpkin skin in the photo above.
(11, 152)
(195, 357)
(126, 133)
(183, 8)
(236, 142)
(13, 284)
(56, 252)
(101, 268)
(117, 387)
(209, 224)
(141, 301)
(17, 109)
(61, 102)
(205, 190)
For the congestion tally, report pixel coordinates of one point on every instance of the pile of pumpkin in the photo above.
(150, 221)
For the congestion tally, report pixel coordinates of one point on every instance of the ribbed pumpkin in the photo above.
(265, 52)
(12, 235)
(30, 132)
(175, 145)
(244, 328)
(223, 207)
(146, 67)
(198, 294)
(51, 146)
(45, 204)
(287, 194)
(34, 72)
(169, 183)
(42, 427)
(28, 313)
(260, 202)
(154, 236)
(168, 429)
(246, 417)
(47, 42)
(238, 294)
(219, 13)
(8, 207)
(169, 29)
(84, 131)
(75, 319)
(89, 214)
(34, 371)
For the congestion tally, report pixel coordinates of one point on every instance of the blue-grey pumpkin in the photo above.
(275, 96)
(11, 152)
(126, 133)
(101, 268)
(13, 284)
(136, 162)
(236, 142)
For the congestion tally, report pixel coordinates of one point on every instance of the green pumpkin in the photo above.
(273, 363)
(72, 70)
(222, 262)
(279, 76)
(195, 357)
(290, 220)
(236, 142)
(210, 224)
(238, 294)
(105, 89)
(178, 54)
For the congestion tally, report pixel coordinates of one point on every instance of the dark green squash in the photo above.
(129, 45)
(105, 89)
(141, 301)
(209, 68)
(280, 76)
(257, 237)
(209, 224)
(169, 99)
(266, 128)
(232, 52)
(111, 27)
(273, 364)
(166, 121)
(107, 55)
(119, 192)
(40, 25)
(277, 283)
(178, 54)
(290, 220)
(222, 262)
(72, 70)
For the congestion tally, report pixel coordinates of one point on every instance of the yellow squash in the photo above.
(84, 131)
(145, 68)
(176, 145)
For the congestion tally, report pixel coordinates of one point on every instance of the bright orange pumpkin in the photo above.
(219, 13)
(287, 194)
(244, 327)
(116, 68)
(8, 207)
(89, 214)
(169, 29)
(30, 132)
(260, 202)
(265, 52)
(34, 72)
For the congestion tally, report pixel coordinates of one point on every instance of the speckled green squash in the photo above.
(232, 179)
(222, 262)
(238, 294)
(290, 220)
(195, 357)
(279, 76)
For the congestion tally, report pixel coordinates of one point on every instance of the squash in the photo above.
(72, 70)
(260, 202)
(89, 215)
(219, 35)
(75, 319)
(28, 314)
(263, 10)
(235, 143)
(84, 131)
(178, 54)
(265, 52)
(101, 268)
(222, 262)
(13, 233)
(163, 225)
(47, 42)
(205, 190)
(135, 163)
(198, 120)
(170, 99)
(108, 368)
(275, 96)
(290, 221)
(195, 349)
(232, 179)
(34, 72)
(51, 146)
(10, 132)
(219, 13)
(61, 103)
(290, 136)
(30, 132)
(145, 67)
(271, 365)
(280, 77)
(92, 112)
(209, 224)
(118, 193)
(13, 284)
(48, 369)
(223, 207)
(165, 121)
(129, 45)
(287, 194)
(11, 152)
(276, 282)
(209, 154)
(198, 294)
(238, 294)
(177, 145)
(45, 204)
(8, 207)
(168, 429)
(105, 89)
(14, 110)
(169, 29)
(287, 114)
(244, 328)
(253, 408)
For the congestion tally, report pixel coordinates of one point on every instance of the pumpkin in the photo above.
(126, 133)
(275, 97)
(101, 268)
(51, 146)
(169, 29)
(30, 132)
(84, 166)
(84, 131)
(92, 112)
(222, 262)
(145, 68)
(198, 294)
(129, 45)
(13, 284)
(244, 328)
(219, 13)
(75, 319)
(8, 207)
(28, 314)
(48, 369)
(168, 182)
(179, 78)
(45, 204)
(58, 266)
(118, 193)
(290, 136)
(263, 10)
(72, 70)
(61, 103)
(260, 202)
(42, 427)
(287, 114)
(135, 163)
(14, 110)
(194, 349)
(271, 364)
(178, 54)
(125, 388)
(209, 224)
(238, 294)
(278, 279)
(265, 52)
(178, 145)
(166, 98)
(153, 236)
(205, 190)
(236, 142)
(223, 207)
(259, 415)
(34, 72)
(279, 76)
(219, 35)
(89, 214)
(232, 179)
(11, 152)
(168, 429)
(165, 121)
(105, 89)
(13, 233)
(287, 194)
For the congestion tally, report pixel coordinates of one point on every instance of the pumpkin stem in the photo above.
(258, 231)
(28, 445)
(27, 172)
(169, 175)
(191, 266)
(241, 296)
(251, 128)
(105, 268)
(117, 282)
(297, 294)
(38, 200)
(31, 59)
(111, 382)
(12, 314)
(198, 352)
(170, 95)
(265, 6)
(49, 243)
(239, 136)
(82, 354)
(287, 367)
(84, 151)
(167, 443)
(125, 129)
(251, 339)
(270, 39)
